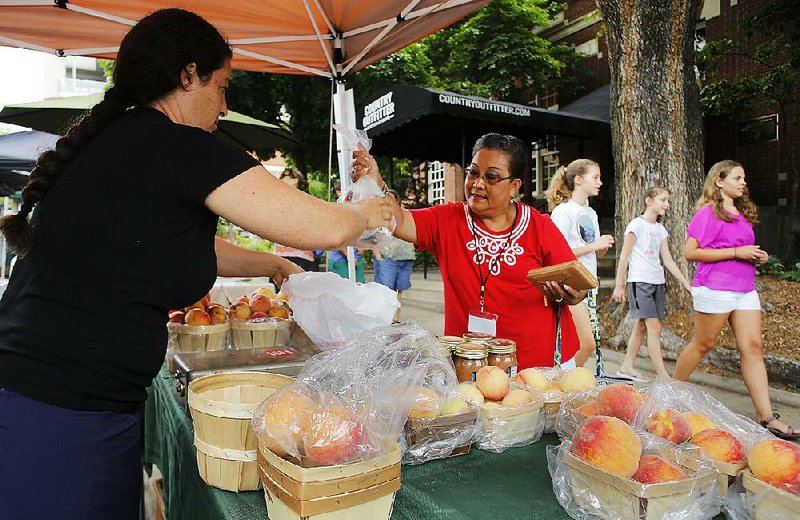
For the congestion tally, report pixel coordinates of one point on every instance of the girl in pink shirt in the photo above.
(721, 241)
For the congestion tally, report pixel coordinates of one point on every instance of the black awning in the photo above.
(419, 123)
(595, 104)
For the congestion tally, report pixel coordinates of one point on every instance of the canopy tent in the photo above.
(19, 151)
(54, 115)
(426, 124)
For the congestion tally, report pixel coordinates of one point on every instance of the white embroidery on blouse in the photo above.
(490, 246)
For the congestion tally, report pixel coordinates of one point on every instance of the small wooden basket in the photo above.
(260, 334)
(344, 492)
(505, 427)
(727, 471)
(552, 405)
(424, 431)
(778, 503)
(222, 407)
(199, 338)
(621, 497)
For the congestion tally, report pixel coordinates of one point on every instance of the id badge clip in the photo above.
(482, 321)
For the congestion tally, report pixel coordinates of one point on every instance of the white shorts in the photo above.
(711, 301)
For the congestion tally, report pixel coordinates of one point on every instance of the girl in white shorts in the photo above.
(721, 241)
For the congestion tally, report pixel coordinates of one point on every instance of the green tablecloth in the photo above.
(514, 484)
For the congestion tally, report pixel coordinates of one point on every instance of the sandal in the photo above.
(790, 434)
(633, 376)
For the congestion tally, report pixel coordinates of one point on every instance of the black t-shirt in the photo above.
(122, 237)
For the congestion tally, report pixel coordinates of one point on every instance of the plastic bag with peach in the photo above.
(619, 400)
(679, 412)
(611, 471)
(331, 310)
(350, 404)
(364, 188)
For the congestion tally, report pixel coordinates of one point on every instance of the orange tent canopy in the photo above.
(330, 38)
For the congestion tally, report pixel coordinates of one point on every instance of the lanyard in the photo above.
(495, 260)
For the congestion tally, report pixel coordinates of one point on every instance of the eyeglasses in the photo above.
(488, 177)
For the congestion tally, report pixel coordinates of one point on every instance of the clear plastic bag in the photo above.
(505, 427)
(331, 309)
(761, 502)
(365, 188)
(351, 404)
(588, 493)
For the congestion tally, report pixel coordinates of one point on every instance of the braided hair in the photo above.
(151, 58)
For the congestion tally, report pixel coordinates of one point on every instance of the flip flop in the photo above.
(639, 378)
(790, 434)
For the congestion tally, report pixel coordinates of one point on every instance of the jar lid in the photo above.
(501, 346)
(451, 339)
(477, 335)
(471, 351)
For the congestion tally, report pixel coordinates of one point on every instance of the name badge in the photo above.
(480, 321)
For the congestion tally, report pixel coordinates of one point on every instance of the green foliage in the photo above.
(773, 266)
(793, 275)
(254, 244)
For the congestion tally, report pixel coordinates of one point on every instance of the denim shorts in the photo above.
(394, 274)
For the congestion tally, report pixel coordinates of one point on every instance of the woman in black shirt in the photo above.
(123, 230)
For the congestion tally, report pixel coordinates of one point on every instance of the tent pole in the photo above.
(345, 114)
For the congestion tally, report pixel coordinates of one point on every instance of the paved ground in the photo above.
(424, 304)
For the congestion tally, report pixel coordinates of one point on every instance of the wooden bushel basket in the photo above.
(506, 426)
(199, 338)
(422, 431)
(727, 470)
(362, 490)
(621, 497)
(260, 334)
(778, 504)
(222, 407)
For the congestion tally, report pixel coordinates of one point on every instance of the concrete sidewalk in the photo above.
(424, 303)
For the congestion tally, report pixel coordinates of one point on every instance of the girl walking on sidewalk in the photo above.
(568, 201)
(720, 239)
(643, 250)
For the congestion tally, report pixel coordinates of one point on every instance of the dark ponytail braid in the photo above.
(150, 60)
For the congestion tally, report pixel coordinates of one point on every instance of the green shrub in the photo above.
(793, 275)
(773, 266)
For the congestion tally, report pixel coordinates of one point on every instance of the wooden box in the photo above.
(423, 431)
(626, 498)
(505, 427)
(552, 405)
(362, 490)
(199, 338)
(222, 407)
(260, 334)
(727, 471)
(776, 503)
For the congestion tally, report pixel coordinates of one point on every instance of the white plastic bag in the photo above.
(364, 189)
(332, 309)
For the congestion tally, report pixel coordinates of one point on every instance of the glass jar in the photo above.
(468, 358)
(477, 338)
(450, 341)
(502, 353)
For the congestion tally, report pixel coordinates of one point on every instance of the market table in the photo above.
(514, 484)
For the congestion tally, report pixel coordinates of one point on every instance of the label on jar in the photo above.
(474, 377)
(512, 370)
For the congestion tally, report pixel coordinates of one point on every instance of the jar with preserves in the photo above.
(476, 337)
(502, 353)
(450, 341)
(468, 358)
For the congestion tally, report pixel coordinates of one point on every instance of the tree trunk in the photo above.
(656, 123)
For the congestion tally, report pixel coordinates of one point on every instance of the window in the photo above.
(548, 100)
(435, 182)
(544, 162)
(758, 130)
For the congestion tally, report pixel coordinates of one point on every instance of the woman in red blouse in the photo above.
(485, 248)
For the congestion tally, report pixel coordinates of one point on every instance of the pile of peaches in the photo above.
(203, 312)
(607, 440)
(260, 305)
(575, 380)
(493, 388)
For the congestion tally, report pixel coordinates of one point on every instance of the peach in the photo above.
(240, 311)
(200, 304)
(609, 444)
(333, 436)
(619, 400)
(259, 303)
(554, 387)
(533, 378)
(259, 316)
(217, 313)
(282, 296)
(669, 424)
(266, 291)
(776, 462)
(493, 382)
(577, 380)
(517, 397)
(283, 418)
(655, 468)
(425, 405)
(456, 406)
(470, 393)
(719, 445)
(243, 299)
(589, 409)
(698, 422)
(177, 317)
(198, 317)
(278, 310)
